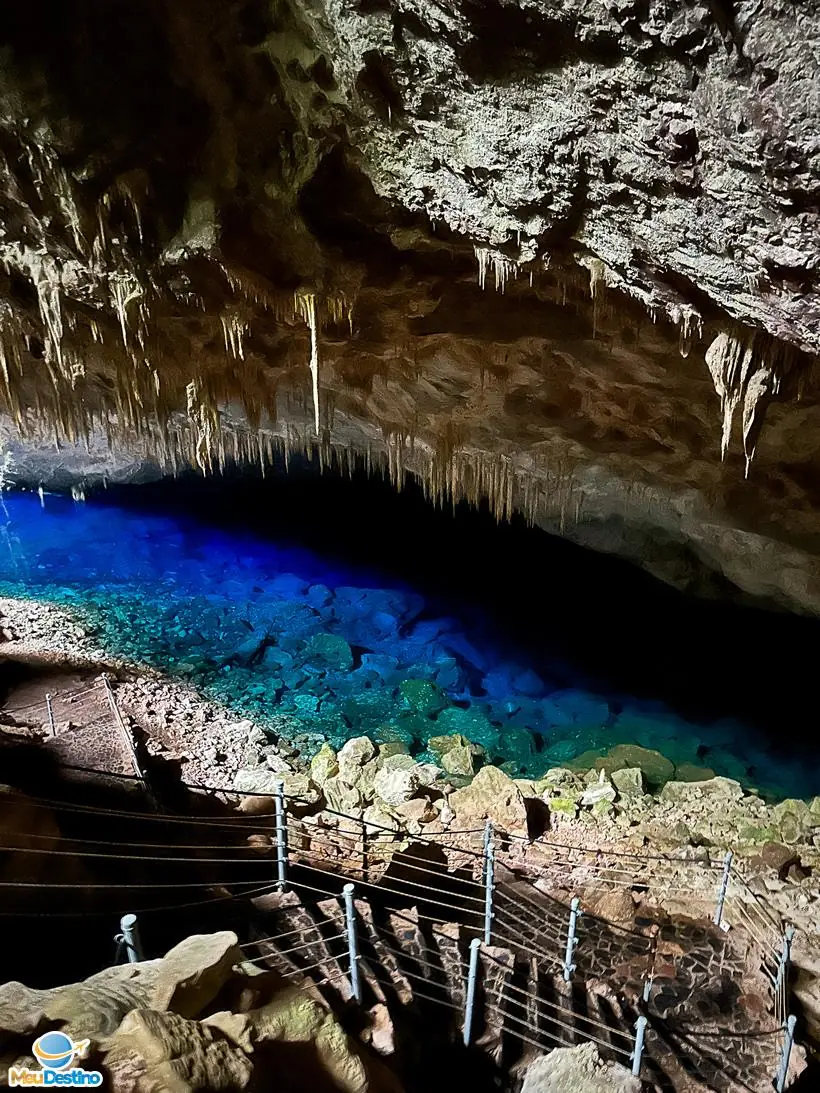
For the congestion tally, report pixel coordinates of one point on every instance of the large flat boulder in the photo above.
(91, 1008)
(712, 789)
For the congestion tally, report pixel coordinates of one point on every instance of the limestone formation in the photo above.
(547, 255)
(152, 1028)
(193, 972)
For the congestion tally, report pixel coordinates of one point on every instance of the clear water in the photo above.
(329, 649)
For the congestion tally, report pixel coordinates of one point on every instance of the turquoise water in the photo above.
(276, 630)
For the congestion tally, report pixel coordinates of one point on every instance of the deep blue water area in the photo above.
(354, 610)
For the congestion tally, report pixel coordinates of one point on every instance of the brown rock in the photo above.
(193, 972)
(614, 906)
(492, 795)
(176, 1055)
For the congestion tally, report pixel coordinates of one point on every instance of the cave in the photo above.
(408, 481)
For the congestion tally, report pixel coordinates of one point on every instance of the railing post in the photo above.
(488, 838)
(281, 836)
(785, 957)
(52, 726)
(647, 988)
(572, 940)
(472, 976)
(783, 1070)
(724, 885)
(489, 881)
(637, 1054)
(130, 937)
(352, 943)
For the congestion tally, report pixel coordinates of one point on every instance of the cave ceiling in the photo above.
(562, 256)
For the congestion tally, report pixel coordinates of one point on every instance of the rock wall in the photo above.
(548, 254)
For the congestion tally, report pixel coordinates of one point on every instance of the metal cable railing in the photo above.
(528, 923)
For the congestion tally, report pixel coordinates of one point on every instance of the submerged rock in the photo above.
(656, 768)
(331, 651)
(440, 745)
(471, 723)
(423, 695)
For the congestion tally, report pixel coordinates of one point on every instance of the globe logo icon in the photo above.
(54, 1051)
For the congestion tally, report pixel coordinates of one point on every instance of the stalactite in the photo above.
(689, 322)
(234, 330)
(504, 269)
(305, 302)
(46, 277)
(124, 289)
(748, 368)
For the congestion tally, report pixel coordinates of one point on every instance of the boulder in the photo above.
(423, 695)
(440, 745)
(563, 779)
(417, 811)
(615, 906)
(294, 1017)
(601, 790)
(628, 781)
(340, 796)
(22, 1009)
(353, 756)
(191, 974)
(91, 1008)
(397, 781)
(302, 793)
(329, 651)
(774, 858)
(323, 765)
(378, 818)
(563, 806)
(578, 1070)
(459, 761)
(428, 773)
(532, 787)
(492, 795)
(713, 789)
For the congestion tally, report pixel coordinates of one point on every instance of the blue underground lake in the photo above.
(328, 608)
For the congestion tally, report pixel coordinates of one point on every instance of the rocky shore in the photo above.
(629, 800)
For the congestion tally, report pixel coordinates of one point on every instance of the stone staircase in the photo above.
(414, 971)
